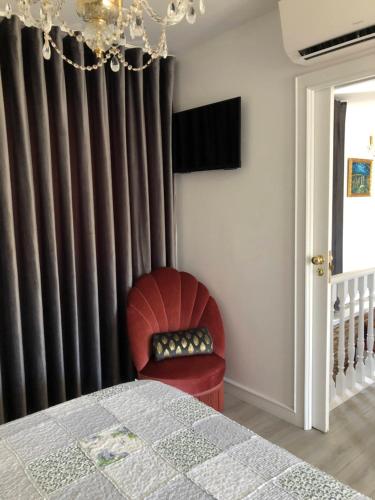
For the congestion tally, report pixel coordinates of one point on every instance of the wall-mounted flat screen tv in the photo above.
(208, 137)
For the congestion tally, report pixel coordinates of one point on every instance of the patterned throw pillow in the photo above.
(192, 342)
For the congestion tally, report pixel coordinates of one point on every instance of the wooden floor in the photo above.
(347, 452)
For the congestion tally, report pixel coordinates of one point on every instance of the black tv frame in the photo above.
(191, 134)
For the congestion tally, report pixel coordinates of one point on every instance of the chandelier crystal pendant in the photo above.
(105, 26)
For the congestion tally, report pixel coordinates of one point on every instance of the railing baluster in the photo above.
(340, 377)
(352, 331)
(350, 372)
(360, 368)
(370, 329)
(332, 387)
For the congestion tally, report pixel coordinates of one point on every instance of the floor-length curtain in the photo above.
(86, 206)
(338, 185)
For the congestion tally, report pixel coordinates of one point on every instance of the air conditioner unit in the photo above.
(315, 30)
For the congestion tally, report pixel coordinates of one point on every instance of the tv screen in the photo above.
(208, 138)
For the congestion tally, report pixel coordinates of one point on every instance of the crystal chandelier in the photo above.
(104, 25)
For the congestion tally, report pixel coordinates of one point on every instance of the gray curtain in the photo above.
(86, 206)
(338, 185)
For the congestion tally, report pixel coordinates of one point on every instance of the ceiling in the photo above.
(221, 15)
(363, 87)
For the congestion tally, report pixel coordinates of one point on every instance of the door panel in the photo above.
(321, 245)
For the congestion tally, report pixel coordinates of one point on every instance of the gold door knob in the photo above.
(318, 260)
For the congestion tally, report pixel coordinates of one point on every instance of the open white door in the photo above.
(314, 165)
(318, 254)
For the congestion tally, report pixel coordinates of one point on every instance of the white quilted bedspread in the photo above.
(146, 440)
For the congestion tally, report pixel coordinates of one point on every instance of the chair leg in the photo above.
(213, 398)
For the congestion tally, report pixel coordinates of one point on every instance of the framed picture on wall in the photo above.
(359, 177)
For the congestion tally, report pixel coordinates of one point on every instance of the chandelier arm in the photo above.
(166, 20)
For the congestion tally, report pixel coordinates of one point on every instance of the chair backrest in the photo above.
(167, 300)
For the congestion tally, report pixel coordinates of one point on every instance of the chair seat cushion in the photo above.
(193, 375)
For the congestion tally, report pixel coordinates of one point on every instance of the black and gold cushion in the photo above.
(183, 343)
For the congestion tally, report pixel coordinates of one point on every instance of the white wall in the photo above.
(359, 213)
(236, 228)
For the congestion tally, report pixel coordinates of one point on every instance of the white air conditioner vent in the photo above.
(320, 29)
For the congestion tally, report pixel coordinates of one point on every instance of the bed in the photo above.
(146, 440)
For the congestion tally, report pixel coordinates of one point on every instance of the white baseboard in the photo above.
(264, 403)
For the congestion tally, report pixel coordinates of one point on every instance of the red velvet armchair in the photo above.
(167, 300)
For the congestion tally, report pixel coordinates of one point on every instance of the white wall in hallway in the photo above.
(359, 213)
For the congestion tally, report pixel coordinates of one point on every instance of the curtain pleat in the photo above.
(338, 185)
(63, 203)
(13, 387)
(37, 108)
(104, 217)
(84, 219)
(25, 224)
(121, 201)
(137, 165)
(155, 176)
(85, 191)
(167, 69)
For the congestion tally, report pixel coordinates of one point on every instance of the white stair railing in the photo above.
(370, 328)
(352, 334)
(332, 388)
(340, 377)
(350, 373)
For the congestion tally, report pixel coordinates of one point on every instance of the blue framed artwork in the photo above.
(359, 177)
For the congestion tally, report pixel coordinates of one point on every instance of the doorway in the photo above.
(317, 290)
(353, 242)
